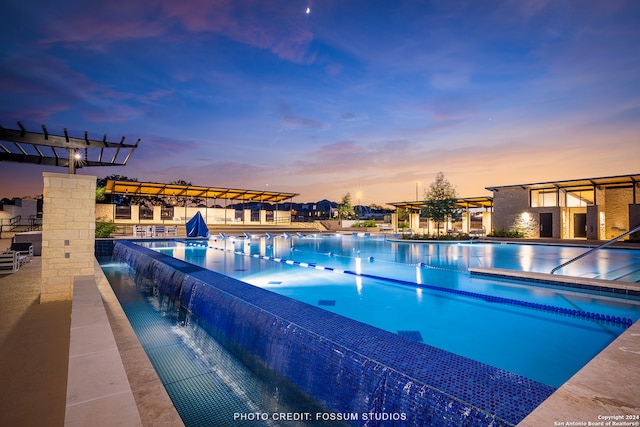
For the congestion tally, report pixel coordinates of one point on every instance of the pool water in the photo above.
(208, 385)
(423, 291)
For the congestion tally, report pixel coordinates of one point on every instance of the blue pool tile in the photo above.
(327, 302)
(414, 335)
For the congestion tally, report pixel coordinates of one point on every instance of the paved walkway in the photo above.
(35, 357)
(34, 351)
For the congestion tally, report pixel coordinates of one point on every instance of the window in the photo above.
(167, 213)
(145, 213)
(543, 198)
(123, 212)
(579, 198)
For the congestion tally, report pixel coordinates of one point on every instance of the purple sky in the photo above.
(368, 97)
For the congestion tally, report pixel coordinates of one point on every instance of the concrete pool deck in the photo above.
(35, 347)
(50, 355)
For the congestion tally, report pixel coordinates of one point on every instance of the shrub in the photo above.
(370, 223)
(442, 237)
(506, 233)
(105, 228)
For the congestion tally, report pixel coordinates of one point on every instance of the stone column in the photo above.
(414, 222)
(394, 221)
(68, 233)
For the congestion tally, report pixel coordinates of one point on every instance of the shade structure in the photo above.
(196, 227)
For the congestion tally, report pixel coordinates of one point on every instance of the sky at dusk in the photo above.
(324, 97)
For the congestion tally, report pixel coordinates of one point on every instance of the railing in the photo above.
(13, 223)
(35, 222)
(604, 245)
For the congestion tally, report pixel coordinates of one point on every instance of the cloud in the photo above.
(453, 79)
(348, 116)
(270, 25)
(292, 120)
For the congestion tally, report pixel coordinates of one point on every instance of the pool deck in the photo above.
(35, 342)
(73, 363)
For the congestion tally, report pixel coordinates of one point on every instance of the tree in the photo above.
(345, 210)
(440, 202)
(118, 199)
(183, 201)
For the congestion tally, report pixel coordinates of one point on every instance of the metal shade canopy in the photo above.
(467, 202)
(133, 188)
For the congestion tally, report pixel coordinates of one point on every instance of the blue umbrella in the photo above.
(196, 227)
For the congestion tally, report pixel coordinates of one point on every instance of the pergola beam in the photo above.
(21, 138)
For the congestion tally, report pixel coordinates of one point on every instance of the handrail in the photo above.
(604, 245)
(15, 221)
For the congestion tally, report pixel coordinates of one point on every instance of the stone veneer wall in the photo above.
(68, 233)
(617, 211)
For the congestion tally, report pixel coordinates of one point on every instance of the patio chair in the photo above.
(24, 251)
(139, 230)
(9, 262)
(159, 230)
(172, 230)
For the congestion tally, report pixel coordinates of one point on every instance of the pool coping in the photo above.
(153, 403)
(615, 287)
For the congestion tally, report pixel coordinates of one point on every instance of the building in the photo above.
(589, 208)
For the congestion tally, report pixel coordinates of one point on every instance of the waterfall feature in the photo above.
(361, 373)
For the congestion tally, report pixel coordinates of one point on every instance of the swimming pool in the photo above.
(363, 373)
(424, 292)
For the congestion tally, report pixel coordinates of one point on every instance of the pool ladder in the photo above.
(604, 245)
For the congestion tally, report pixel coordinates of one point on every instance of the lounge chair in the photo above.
(9, 262)
(159, 230)
(24, 251)
(139, 230)
(172, 230)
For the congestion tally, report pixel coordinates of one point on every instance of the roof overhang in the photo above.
(466, 202)
(134, 188)
(606, 181)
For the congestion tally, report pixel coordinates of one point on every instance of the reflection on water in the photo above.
(511, 337)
